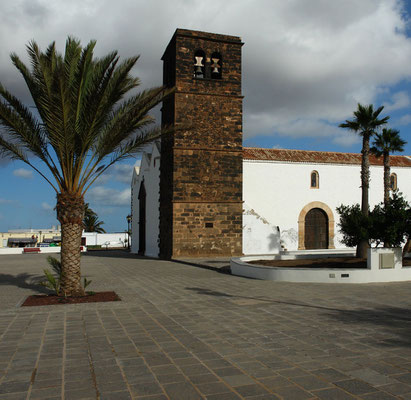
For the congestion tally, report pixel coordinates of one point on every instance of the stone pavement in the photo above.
(185, 332)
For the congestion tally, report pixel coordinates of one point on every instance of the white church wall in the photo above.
(259, 236)
(135, 215)
(153, 205)
(149, 172)
(278, 192)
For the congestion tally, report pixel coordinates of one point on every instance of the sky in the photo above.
(306, 65)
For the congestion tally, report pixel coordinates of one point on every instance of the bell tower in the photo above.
(201, 160)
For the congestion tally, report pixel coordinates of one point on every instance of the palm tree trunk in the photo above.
(386, 178)
(70, 213)
(365, 183)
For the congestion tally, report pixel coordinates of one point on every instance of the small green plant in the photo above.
(86, 282)
(54, 282)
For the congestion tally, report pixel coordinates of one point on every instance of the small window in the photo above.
(393, 181)
(199, 64)
(216, 66)
(315, 180)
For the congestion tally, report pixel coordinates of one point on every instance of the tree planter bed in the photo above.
(48, 300)
(381, 265)
(331, 262)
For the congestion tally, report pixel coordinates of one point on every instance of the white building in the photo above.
(290, 197)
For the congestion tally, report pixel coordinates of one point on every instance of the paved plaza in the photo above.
(184, 331)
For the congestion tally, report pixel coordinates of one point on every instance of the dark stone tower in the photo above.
(201, 161)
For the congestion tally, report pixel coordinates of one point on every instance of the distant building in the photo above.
(200, 193)
(30, 237)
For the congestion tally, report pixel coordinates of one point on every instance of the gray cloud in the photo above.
(304, 61)
(104, 196)
(118, 173)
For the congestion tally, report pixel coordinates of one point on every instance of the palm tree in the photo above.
(81, 127)
(91, 222)
(365, 123)
(385, 143)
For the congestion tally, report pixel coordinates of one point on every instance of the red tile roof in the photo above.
(319, 157)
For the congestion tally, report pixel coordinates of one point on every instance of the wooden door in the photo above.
(316, 229)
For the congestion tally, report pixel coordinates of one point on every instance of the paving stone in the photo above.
(181, 391)
(204, 378)
(45, 393)
(330, 374)
(212, 388)
(372, 377)
(228, 371)
(198, 369)
(145, 389)
(292, 393)
(355, 386)
(238, 380)
(396, 388)
(224, 396)
(292, 372)
(310, 382)
(275, 382)
(171, 378)
(378, 396)
(123, 395)
(333, 394)
(251, 390)
(80, 394)
(405, 378)
(13, 387)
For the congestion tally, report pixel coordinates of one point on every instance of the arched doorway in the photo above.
(315, 225)
(316, 229)
(142, 219)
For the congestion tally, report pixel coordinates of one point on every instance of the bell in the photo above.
(199, 62)
(215, 65)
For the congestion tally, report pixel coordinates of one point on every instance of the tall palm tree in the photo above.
(365, 123)
(385, 143)
(83, 125)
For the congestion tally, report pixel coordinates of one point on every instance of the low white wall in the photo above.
(94, 239)
(20, 250)
(11, 250)
(372, 274)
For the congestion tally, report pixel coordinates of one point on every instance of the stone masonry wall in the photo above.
(201, 168)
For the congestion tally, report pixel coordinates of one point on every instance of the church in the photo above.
(200, 193)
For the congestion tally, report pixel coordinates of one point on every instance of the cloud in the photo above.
(119, 173)
(404, 120)
(103, 196)
(399, 101)
(302, 60)
(5, 201)
(46, 206)
(23, 173)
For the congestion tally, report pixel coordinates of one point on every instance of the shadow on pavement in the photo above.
(225, 269)
(25, 281)
(117, 253)
(397, 320)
